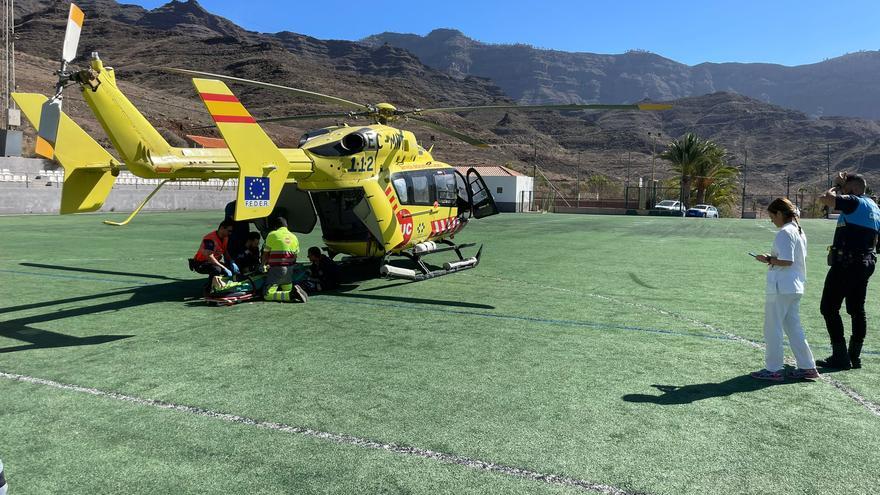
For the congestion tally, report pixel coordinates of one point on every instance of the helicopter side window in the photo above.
(402, 192)
(447, 191)
(421, 190)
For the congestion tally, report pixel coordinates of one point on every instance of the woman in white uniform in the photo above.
(786, 276)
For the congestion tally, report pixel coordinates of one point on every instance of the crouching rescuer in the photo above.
(279, 252)
(212, 250)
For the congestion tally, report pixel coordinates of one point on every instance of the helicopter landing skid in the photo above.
(423, 272)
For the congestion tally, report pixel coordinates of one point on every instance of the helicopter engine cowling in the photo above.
(359, 141)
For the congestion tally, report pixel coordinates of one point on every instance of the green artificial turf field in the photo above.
(584, 353)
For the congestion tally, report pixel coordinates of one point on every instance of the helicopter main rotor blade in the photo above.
(445, 130)
(597, 106)
(277, 87)
(314, 116)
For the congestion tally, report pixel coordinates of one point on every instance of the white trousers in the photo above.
(782, 312)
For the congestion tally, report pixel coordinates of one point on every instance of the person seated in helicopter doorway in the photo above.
(323, 272)
(279, 252)
(212, 250)
(248, 260)
(239, 234)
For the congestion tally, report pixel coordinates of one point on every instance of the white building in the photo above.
(512, 191)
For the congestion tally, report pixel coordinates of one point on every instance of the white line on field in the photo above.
(551, 479)
(845, 389)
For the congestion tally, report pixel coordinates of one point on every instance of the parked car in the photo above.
(705, 211)
(670, 205)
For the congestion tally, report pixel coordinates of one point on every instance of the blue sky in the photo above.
(776, 31)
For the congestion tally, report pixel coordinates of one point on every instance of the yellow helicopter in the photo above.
(375, 190)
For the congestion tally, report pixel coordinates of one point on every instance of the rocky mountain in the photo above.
(841, 86)
(137, 42)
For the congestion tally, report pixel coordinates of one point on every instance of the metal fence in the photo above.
(643, 198)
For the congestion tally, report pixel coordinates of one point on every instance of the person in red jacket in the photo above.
(212, 258)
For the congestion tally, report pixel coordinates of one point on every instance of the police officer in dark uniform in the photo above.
(852, 259)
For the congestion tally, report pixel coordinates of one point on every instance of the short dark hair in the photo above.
(315, 251)
(226, 223)
(254, 236)
(857, 178)
(277, 223)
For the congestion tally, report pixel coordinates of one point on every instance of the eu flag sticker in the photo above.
(256, 191)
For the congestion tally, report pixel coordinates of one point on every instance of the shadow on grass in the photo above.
(389, 286)
(94, 270)
(687, 394)
(635, 278)
(22, 329)
(411, 300)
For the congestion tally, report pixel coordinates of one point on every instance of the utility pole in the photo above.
(578, 175)
(6, 59)
(787, 185)
(535, 165)
(745, 177)
(10, 136)
(654, 136)
(828, 162)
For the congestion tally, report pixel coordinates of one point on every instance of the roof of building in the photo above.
(207, 142)
(492, 171)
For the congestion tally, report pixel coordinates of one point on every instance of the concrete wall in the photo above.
(37, 197)
(44, 196)
(19, 165)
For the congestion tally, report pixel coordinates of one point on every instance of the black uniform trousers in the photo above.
(847, 282)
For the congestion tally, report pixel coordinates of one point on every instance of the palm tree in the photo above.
(685, 154)
(703, 167)
(713, 170)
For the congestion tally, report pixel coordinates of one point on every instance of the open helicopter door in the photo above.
(296, 206)
(479, 199)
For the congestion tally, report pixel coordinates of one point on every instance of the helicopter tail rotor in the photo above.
(47, 134)
(50, 113)
(71, 36)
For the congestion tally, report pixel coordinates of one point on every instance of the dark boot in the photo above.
(855, 350)
(839, 358)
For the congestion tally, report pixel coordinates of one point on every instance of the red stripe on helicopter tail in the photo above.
(218, 97)
(234, 119)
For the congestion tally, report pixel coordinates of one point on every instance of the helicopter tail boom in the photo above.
(138, 143)
(89, 168)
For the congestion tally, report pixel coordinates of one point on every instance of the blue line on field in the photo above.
(76, 277)
(551, 321)
(574, 323)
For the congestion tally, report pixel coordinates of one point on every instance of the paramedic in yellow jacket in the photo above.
(279, 252)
